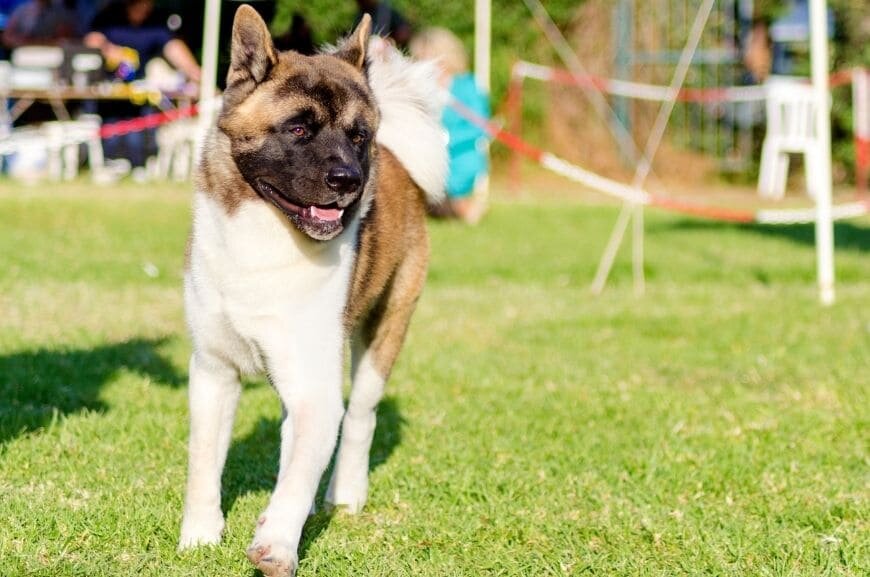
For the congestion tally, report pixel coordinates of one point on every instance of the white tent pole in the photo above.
(482, 43)
(822, 186)
(208, 81)
(482, 67)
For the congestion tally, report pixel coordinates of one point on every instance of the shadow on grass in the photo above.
(39, 386)
(252, 464)
(847, 236)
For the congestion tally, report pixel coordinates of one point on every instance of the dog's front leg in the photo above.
(214, 395)
(311, 393)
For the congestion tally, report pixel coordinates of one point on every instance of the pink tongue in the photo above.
(327, 214)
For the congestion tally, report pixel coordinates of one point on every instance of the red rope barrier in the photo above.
(514, 113)
(604, 84)
(862, 163)
(709, 212)
(840, 78)
(145, 122)
(512, 141)
(518, 145)
(497, 133)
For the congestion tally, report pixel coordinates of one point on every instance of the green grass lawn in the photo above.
(718, 426)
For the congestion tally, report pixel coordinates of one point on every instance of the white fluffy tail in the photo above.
(409, 99)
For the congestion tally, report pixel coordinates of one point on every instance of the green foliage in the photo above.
(768, 9)
(514, 33)
(717, 426)
(850, 48)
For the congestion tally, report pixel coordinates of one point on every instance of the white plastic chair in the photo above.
(791, 129)
(27, 148)
(176, 142)
(85, 65)
(61, 141)
(64, 138)
(36, 67)
(5, 87)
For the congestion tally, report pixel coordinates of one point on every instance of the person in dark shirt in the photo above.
(137, 26)
(7, 7)
(37, 22)
(44, 22)
(386, 20)
(129, 33)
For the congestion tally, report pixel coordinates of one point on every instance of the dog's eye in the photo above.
(358, 137)
(299, 131)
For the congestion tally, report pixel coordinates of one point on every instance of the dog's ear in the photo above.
(252, 53)
(353, 49)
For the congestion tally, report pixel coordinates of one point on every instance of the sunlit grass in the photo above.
(718, 426)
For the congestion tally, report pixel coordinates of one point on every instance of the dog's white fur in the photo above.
(407, 96)
(258, 289)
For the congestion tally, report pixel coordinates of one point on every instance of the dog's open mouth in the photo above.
(313, 212)
(321, 222)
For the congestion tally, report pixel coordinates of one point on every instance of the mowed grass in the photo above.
(718, 426)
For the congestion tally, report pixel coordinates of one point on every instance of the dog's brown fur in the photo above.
(393, 250)
(299, 135)
(391, 264)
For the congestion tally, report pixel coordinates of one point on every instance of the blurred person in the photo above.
(386, 21)
(44, 22)
(757, 52)
(467, 142)
(7, 7)
(129, 34)
(138, 27)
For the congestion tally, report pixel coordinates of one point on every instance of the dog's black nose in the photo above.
(343, 179)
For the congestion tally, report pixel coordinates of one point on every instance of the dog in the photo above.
(308, 232)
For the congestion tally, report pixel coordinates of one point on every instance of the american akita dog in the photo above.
(308, 230)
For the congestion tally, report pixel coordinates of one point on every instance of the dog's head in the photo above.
(301, 128)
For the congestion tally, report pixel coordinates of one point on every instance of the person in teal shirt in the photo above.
(467, 145)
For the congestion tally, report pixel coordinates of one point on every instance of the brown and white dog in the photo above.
(308, 230)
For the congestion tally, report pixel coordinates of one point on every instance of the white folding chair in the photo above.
(791, 129)
(176, 143)
(26, 146)
(36, 66)
(64, 139)
(5, 87)
(83, 66)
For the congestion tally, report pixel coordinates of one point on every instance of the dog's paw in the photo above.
(273, 559)
(348, 492)
(200, 530)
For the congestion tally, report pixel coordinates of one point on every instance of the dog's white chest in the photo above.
(254, 273)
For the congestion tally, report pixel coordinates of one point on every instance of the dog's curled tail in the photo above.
(408, 97)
